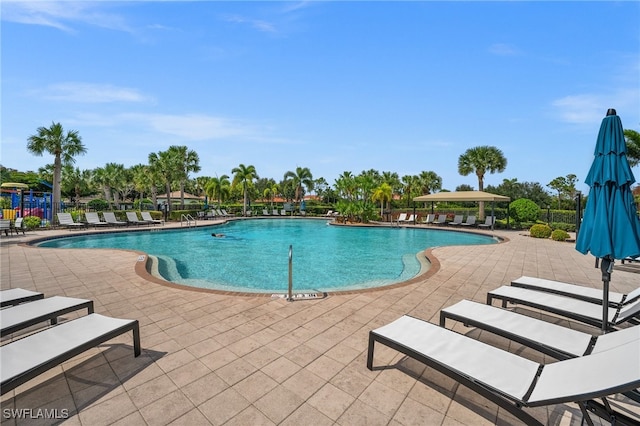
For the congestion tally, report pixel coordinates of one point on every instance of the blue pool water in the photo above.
(253, 255)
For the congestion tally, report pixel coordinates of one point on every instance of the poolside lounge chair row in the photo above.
(93, 219)
(591, 367)
(24, 358)
(9, 227)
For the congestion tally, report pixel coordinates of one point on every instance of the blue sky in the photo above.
(333, 86)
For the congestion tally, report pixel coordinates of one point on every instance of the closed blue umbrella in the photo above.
(610, 228)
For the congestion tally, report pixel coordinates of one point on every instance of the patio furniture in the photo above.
(18, 226)
(440, 220)
(509, 380)
(66, 220)
(429, 219)
(5, 225)
(110, 217)
(132, 217)
(576, 291)
(457, 220)
(94, 220)
(25, 315)
(26, 358)
(575, 309)
(15, 296)
(488, 222)
(146, 216)
(471, 221)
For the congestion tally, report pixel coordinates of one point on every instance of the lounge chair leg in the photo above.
(370, 352)
(136, 340)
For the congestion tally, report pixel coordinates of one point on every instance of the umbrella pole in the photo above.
(606, 266)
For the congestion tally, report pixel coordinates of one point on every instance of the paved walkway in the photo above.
(234, 360)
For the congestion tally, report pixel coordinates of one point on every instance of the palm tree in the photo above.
(112, 180)
(481, 159)
(301, 177)
(218, 188)
(142, 179)
(244, 175)
(271, 192)
(163, 164)
(429, 182)
(187, 161)
(63, 146)
(383, 194)
(76, 182)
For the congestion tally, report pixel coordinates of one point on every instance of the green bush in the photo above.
(559, 235)
(568, 227)
(524, 210)
(31, 222)
(540, 231)
(98, 205)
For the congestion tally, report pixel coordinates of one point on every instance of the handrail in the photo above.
(187, 218)
(290, 298)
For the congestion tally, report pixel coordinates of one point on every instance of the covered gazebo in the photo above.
(459, 196)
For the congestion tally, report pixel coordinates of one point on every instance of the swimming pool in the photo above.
(253, 255)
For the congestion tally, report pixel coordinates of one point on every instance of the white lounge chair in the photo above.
(66, 220)
(110, 217)
(588, 294)
(26, 358)
(471, 221)
(265, 212)
(507, 379)
(440, 220)
(146, 216)
(94, 220)
(18, 226)
(283, 212)
(429, 219)
(488, 222)
(402, 217)
(457, 220)
(275, 212)
(578, 310)
(5, 225)
(549, 338)
(25, 315)
(132, 217)
(410, 219)
(15, 296)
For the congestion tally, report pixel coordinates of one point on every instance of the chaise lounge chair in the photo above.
(265, 212)
(578, 310)
(488, 222)
(505, 378)
(5, 225)
(66, 220)
(440, 220)
(546, 337)
(27, 314)
(110, 217)
(26, 358)
(94, 220)
(457, 220)
(471, 221)
(402, 217)
(429, 219)
(588, 294)
(146, 216)
(132, 218)
(18, 226)
(15, 296)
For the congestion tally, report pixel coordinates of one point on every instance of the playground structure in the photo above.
(26, 203)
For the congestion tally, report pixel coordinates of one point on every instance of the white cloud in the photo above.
(91, 93)
(258, 24)
(503, 49)
(590, 107)
(62, 14)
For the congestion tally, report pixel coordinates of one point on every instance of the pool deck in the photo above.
(236, 360)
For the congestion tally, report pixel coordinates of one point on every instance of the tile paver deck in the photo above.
(223, 359)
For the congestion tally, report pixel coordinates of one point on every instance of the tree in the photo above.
(301, 177)
(163, 165)
(186, 161)
(566, 186)
(218, 188)
(244, 176)
(76, 182)
(383, 194)
(632, 139)
(480, 160)
(63, 146)
(429, 182)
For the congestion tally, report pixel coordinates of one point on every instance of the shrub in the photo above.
(540, 231)
(568, 227)
(31, 222)
(524, 210)
(98, 205)
(559, 235)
